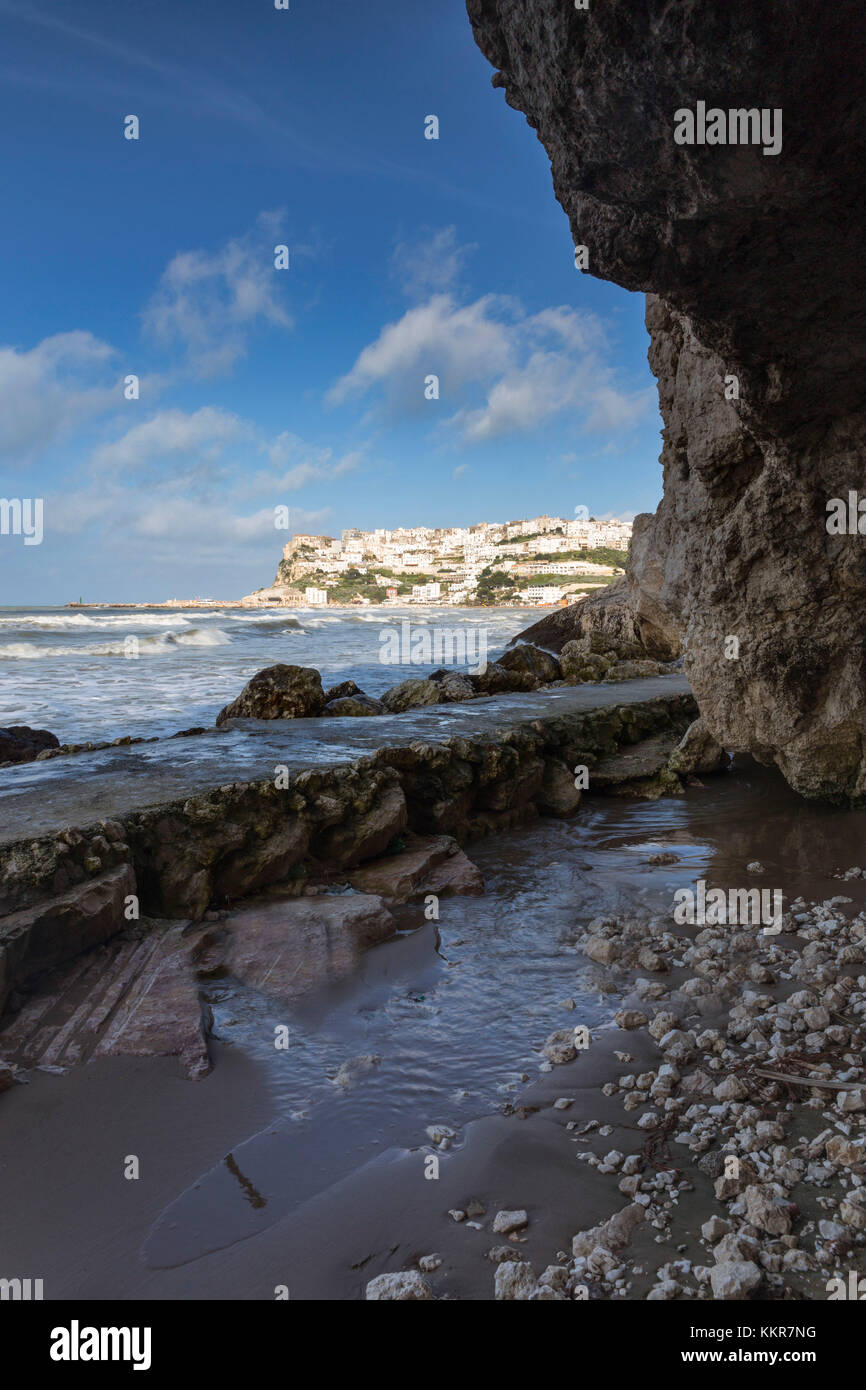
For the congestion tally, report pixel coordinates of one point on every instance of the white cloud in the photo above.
(177, 489)
(172, 437)
(501, 372)
(208, 302)
(297, 463)
(613, 411)
(52, 389)
(460, 344)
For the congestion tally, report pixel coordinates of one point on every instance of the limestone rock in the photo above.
(514, 1279)
(409, 1285)
(456, 875)
(852, 1209)
(631, 670)
(560, 1047)
(366, 827)
(578, 664)
(734, 1279)
(496, 679)
(454, 686)
(344, 691)
(612, 1235)
(610, 617)
(601, 950)
(504, 1222)
(278, 692)
(162, 1014)
(763, 1212)
(429, 864)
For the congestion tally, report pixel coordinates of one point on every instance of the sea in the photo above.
(99, 674)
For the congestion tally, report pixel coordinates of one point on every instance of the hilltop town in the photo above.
(537, 561)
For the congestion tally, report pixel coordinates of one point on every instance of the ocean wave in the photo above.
(71, 622)
(274, 622)
(156, 644)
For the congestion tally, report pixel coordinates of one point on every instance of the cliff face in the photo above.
(753, 265)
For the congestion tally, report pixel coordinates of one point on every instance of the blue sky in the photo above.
(303, 387)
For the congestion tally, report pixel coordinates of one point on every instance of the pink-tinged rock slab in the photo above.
(286, 948)
(161, 1013)
(38, 938)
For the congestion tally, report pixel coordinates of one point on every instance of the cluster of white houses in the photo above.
(447, 561)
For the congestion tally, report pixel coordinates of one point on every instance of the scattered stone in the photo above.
(407, 1285)
(515, 1280)
(505, 1222)
(560, 1047)
(630, 1018)
(735, 1279)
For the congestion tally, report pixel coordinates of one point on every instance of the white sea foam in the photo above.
(157, 644)
(104, 622)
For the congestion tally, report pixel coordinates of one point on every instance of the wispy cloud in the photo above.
(432, 263)
(208, 302)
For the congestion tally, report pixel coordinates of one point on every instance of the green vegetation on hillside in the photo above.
(603, 555)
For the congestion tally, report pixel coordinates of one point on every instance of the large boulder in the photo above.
(278, 692)
(531, 661)
(760, 372)
(411, 694)
(610, 620)
(20, 744)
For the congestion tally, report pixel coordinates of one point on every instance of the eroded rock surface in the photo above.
(753, 268)
(278, 692)
(610, 619)
(428, 864)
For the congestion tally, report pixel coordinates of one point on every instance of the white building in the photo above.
(427, 593)
(316, 597)
(542, 593)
